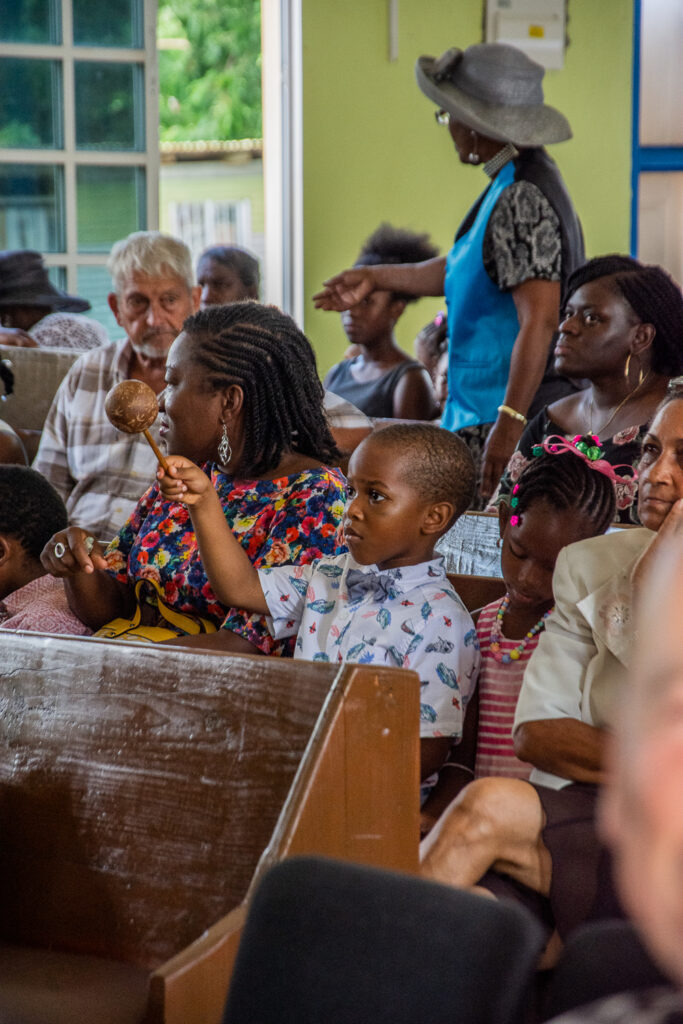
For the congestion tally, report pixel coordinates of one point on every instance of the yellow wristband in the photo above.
(513, 412)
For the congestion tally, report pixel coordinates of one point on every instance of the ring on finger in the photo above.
(59, 549)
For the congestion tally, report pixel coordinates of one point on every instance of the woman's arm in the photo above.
(563, 746)
(352, 286)
(538, 304)
(233, 578)
(94, 596)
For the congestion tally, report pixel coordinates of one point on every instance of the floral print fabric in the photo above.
(287, 520)
(407, 618)
(623, 449)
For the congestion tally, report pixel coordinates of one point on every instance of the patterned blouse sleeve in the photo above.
(534, 432)
(305, 528)
(523, 240)
(118, 551)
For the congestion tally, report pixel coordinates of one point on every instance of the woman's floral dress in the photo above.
(289, 520)
(623, 449)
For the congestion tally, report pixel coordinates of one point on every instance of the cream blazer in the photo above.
(579, 666)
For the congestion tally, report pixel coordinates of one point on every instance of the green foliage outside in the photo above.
(210, 88)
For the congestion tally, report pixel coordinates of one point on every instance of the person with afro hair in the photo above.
(382, 380)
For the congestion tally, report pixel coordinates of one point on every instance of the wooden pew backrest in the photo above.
(38, 372)
(477, 591)
(141, 785)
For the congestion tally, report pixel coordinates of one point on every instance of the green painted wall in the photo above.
(373, 152)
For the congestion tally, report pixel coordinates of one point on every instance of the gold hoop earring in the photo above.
(627, 367)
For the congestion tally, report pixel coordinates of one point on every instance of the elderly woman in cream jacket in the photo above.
(541, 833)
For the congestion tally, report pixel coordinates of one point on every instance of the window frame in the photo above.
(645, 159)
(70, 158)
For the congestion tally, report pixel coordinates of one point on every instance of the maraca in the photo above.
(132, 407)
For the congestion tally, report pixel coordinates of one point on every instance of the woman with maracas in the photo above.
(243, 400)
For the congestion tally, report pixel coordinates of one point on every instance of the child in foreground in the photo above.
(388, 600)
(31, 511)
(562, 496)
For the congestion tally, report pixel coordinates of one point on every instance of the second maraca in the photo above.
(131, 406)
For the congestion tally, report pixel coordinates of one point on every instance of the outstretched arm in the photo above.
(232, 576)
(352, 286)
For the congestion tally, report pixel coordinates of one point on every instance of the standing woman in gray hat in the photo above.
(503, 276)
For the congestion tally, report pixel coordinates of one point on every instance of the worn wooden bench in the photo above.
(144, 790)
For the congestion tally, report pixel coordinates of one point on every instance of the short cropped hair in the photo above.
(436, 463)
(149, 252)
(30, 508)
(244, 264)
(396, 245)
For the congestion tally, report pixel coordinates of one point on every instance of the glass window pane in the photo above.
(110, 203)
(118, 24)
(110, 111)
(94, 284)
(660, 220)
(30, 21)
(32, 210)
(58, 277)
(31, 93)
(661, 73)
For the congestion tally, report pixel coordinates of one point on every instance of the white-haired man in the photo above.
(99, 472)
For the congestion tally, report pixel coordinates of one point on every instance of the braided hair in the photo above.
(565, 481)
(654, 297)
(396, 245)
(261, 349)
(7, 377)
(30, 509)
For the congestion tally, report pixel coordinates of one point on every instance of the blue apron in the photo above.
(482, 323)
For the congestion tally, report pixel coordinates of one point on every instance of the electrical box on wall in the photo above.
(535, 26)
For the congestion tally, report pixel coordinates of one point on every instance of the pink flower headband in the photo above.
(590, 453)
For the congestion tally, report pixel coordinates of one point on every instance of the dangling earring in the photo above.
(224, 449)
(473, 157)
(627, 367)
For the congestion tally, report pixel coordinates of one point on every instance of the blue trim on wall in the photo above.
(660, 158)
(644, 158)
(635, 126)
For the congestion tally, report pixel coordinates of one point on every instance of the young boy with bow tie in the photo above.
(388, 600)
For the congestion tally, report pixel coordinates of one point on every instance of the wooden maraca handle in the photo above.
(155, 448)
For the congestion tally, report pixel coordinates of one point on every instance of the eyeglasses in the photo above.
(442, 117)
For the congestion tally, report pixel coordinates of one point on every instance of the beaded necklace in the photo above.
(497, 633)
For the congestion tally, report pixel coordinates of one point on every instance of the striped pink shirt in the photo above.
(499, 687)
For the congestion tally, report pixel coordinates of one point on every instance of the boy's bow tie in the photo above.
(380, 584)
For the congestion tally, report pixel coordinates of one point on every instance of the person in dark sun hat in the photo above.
(512, 253)
(34, 313)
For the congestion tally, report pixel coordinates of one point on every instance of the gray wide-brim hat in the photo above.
(496, 90)
(24, 282)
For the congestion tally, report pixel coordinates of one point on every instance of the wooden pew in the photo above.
(477, 591)
(144, 790)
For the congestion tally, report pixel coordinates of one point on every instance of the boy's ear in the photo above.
(437, 517)
(503, 517)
